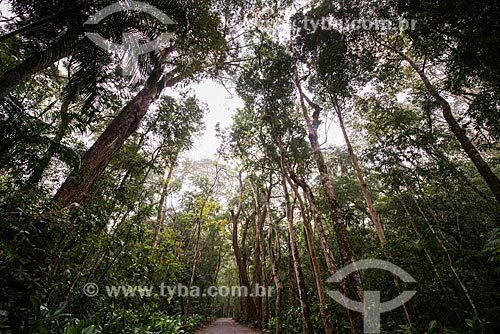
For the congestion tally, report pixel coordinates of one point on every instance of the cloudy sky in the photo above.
(221, 107)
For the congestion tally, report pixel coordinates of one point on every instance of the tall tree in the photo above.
(96, 159)
(249, 305)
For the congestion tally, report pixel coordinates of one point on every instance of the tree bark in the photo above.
(193, 270)
(274, 268)
(96, 159)
(197, 251)
(359, 174)
(301, 289)
(366, 195)
(160, 218)
(34, 64)
(248, 306)
(345, 246)
(309, 236)
(290, 275)
(258, 264)
(325, 246)
(460, 133)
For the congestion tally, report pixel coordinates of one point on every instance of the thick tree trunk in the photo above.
(96, 159)
(34, 64)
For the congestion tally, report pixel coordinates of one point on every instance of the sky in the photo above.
(4, 9)
(221, 107)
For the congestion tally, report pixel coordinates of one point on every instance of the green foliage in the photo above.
(146, 321)
(433, 328)
(291, 321)
(488, 324)
(491, 248)
(53, 320)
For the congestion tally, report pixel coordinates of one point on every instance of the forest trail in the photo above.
(226, 326)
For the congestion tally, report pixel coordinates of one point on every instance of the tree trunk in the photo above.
(263, 266)
(334, 208)
(197, 252)
(368, 200)
(290, 275)
(248, 306)
(460, 133)
(193, 270)
(96, 159)
(274, 268)
(257, 253)
(160, 218)
(309, 236)
(301, 289)
(359, 174)
(325, 246)
(34, 64)
(285, 168)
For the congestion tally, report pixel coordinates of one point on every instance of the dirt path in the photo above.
(226, 326)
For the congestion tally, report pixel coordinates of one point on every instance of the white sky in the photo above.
(222, 106)
(4, 8)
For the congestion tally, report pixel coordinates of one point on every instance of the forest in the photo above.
(109, 225)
